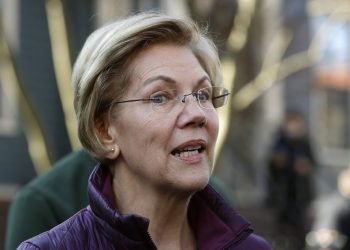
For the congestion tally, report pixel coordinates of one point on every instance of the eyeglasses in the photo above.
(165, 100)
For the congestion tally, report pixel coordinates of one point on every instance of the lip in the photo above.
(190, 151)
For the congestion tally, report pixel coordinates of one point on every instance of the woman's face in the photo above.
(173, 149)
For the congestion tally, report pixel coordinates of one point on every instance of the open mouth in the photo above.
(187, 151)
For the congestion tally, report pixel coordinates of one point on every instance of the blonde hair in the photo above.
(101, 73)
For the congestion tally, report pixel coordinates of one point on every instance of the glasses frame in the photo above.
(182, 97)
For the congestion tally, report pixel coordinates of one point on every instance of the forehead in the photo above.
(173, 61)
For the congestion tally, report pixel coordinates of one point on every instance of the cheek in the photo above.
(158, 131)
(141, 129)
(213, 121)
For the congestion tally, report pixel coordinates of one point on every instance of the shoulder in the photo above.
(73, 170)
(75, 164)
(256, 242)
(65, 182)
(50, 198)
(72, 232)
(28, 246)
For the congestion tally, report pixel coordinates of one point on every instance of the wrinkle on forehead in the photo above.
(177, 63)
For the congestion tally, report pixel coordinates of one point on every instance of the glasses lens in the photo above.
(212, 97)
(220, 96)
(163, 101)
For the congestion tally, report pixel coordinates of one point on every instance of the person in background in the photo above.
(291, 167)
(49, 199)
(331, 225)
(342, 208)
(146, 93)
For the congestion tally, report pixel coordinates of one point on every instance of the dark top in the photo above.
(100, 226)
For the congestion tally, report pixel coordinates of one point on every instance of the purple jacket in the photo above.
(99, 226)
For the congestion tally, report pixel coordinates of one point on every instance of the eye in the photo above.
(158, 99)
(162, 97)
(203, 95)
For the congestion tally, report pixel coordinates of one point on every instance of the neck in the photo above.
(171, 230)
(167, 211)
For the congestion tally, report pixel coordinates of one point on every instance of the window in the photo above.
(330, 102)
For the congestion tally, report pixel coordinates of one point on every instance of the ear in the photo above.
(108, 137)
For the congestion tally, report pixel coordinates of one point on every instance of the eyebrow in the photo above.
(170, 80)
(157, 78)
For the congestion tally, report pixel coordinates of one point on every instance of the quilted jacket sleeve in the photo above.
(27, 246)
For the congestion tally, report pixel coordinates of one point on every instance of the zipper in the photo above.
(150, 241)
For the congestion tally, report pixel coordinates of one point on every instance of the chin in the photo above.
(192, 185)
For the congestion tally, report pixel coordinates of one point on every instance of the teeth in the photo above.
(192, 148)
(187, 153)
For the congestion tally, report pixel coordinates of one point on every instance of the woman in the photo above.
(146, 93)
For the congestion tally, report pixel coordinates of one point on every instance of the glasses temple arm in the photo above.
(216, 97)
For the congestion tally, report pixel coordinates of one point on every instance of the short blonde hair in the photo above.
(101, 73)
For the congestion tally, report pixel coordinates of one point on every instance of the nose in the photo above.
(191, 114)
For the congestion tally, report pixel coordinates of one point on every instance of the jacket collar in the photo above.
(214, 222)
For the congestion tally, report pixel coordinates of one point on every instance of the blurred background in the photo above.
(284, 147)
